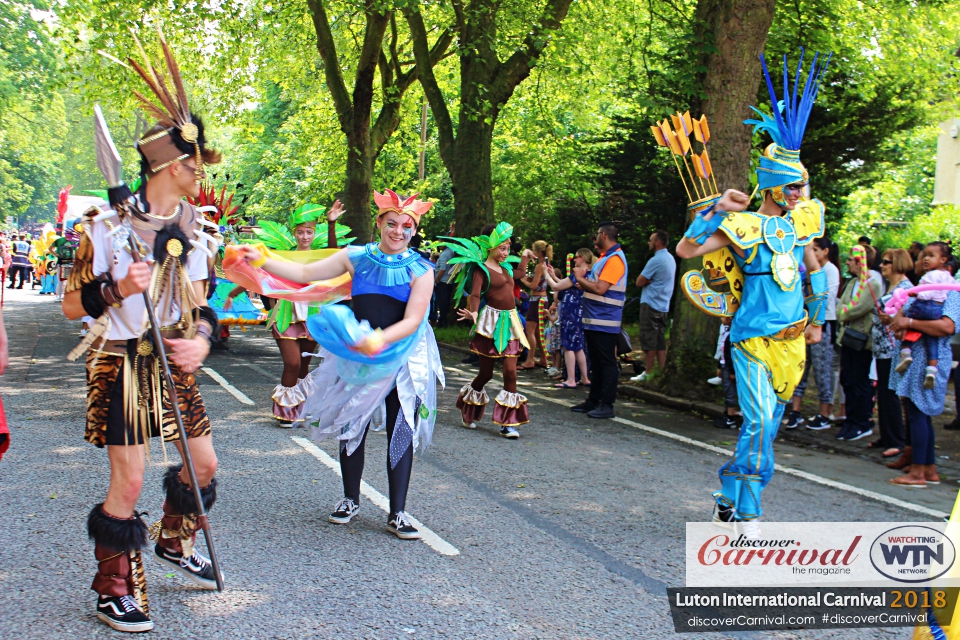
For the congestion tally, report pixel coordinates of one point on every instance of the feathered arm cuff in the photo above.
(700, 230)
(816, 302)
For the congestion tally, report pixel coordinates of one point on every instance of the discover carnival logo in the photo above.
(912, 553)
(723, 550)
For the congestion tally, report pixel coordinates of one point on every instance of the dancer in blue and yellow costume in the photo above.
(44, 259)
(380, 363)
(759, 253)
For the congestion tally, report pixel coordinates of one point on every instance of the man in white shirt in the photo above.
(820, 354)
(126, 403)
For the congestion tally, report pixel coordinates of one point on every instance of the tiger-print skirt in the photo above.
(106, 419)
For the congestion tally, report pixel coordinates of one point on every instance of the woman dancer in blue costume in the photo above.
(382, 370)
(771, 327)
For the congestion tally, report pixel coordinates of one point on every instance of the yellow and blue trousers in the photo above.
(767, 370)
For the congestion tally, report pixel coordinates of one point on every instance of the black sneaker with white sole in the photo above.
(726, 422)
(344, 511)
(818, 423)
(400, 526)
(856, 434)
(793, 420)
(123, 614)
(509, 432)
(724, 516)
(195, 567)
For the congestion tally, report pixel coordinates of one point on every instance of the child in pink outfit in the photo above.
(928, 306)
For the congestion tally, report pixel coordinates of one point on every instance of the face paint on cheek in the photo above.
(408, 232)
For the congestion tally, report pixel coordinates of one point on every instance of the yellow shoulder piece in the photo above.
(744, 228)
(807, 219)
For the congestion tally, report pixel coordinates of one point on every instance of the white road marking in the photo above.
(259, 369)
(842, 486)
(236, 393)
(431, 539)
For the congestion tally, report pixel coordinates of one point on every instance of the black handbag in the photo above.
(853, 339)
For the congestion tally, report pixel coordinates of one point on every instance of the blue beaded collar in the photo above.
(379, 272)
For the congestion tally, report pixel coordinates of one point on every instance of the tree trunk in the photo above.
(472, 178)
(486, 84)
(357, 191)
(738, 29)
(731, 81)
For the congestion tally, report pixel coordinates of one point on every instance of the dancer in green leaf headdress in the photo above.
(485, 268)
(287, 320)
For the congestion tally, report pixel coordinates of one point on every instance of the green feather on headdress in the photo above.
(306, 213)
(275, 236)
(280, 238)
(472, 253)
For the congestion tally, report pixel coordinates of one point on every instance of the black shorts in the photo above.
(653, 328)
(533, 311)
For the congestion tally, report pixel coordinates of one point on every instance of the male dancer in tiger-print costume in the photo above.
(124, 392)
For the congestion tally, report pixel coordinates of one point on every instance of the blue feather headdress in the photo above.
(780, 164)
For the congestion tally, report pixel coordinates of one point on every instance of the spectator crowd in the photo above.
(875, 375)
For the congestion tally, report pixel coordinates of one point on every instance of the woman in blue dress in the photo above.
(571, 321)
(380, 359)
(923, 403)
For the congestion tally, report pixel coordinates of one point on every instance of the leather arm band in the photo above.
(206, 319)
(98, 295)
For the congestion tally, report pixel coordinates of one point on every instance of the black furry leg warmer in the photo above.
(180, 497)
(119, 534)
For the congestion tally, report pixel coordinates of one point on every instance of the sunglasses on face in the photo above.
(885, 261)
(795, 188)
(193, 170)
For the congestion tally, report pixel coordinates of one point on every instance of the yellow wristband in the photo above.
(262, 260)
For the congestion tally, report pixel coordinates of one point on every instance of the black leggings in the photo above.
(399, 477)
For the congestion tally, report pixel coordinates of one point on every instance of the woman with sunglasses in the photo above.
(894, 267)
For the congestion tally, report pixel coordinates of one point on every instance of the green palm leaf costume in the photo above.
(280, 238)
(471, 254)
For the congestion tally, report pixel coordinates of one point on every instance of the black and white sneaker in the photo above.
(818, 423)
(793, 421)
(123, 614)
(344, 511)
(195, 567)
(723, 516)
(400, 526)
(856, 434)
(509, 432)
(726, 422)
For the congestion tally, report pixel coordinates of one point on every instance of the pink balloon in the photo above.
(900, 295)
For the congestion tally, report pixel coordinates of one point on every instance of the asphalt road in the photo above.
(572, 531)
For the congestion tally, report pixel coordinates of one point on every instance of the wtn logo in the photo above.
(922, 554)
(912, 553)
